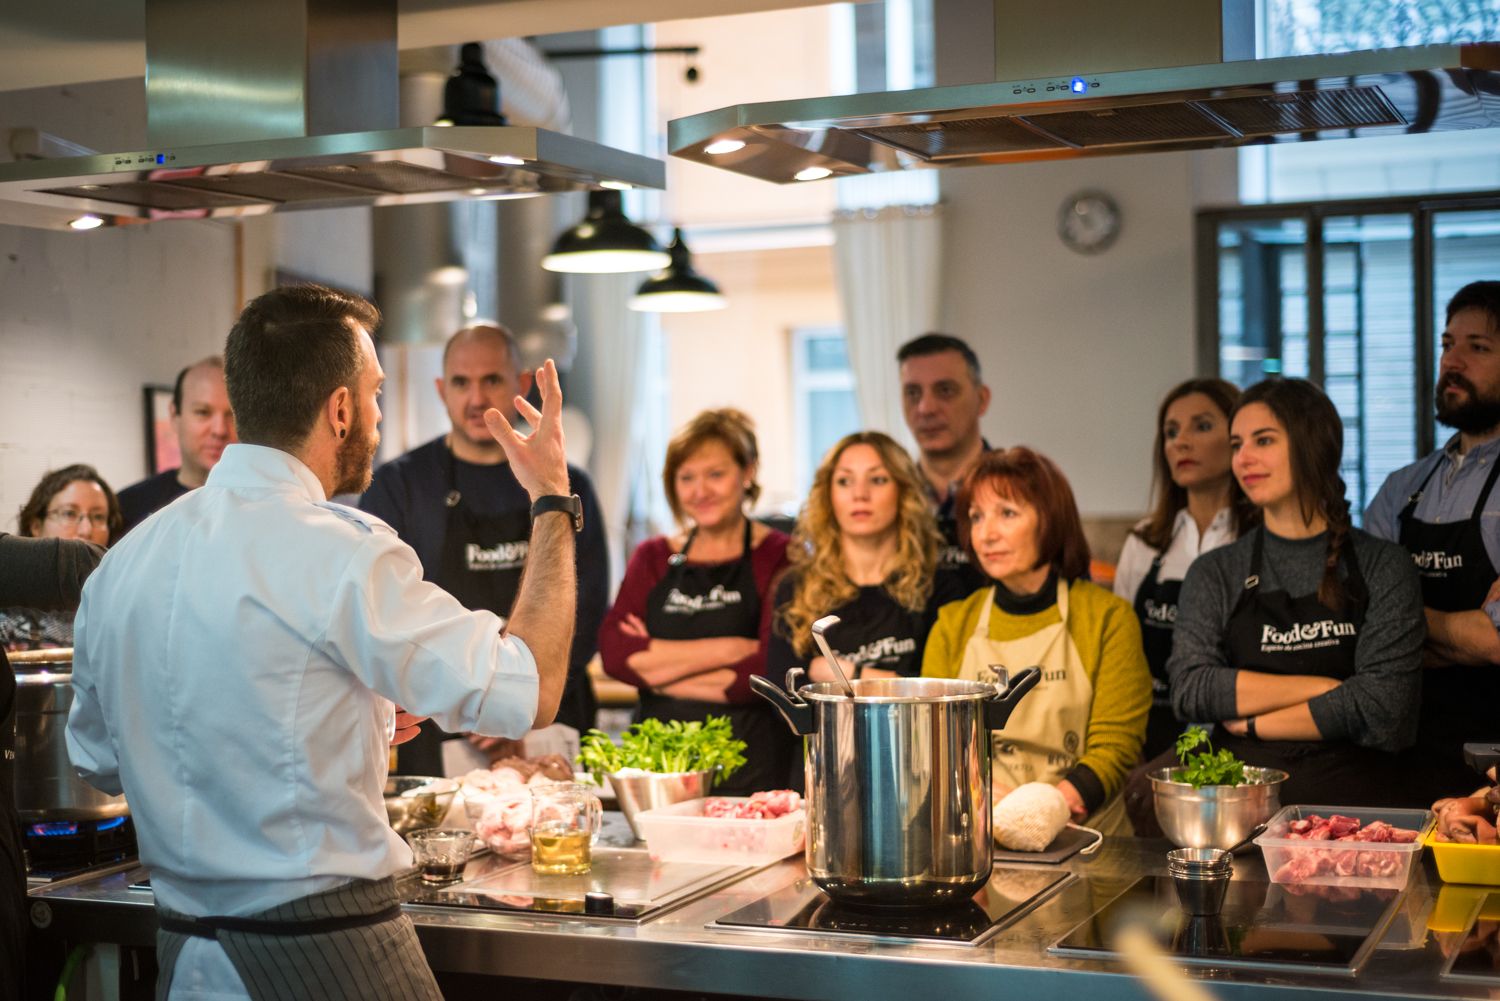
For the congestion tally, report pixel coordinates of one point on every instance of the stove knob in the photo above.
(41, 914)
(595, 902)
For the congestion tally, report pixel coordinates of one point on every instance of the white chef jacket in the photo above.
(233, 659)
(1185, 547)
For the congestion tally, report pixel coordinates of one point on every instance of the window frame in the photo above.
(1422, 209)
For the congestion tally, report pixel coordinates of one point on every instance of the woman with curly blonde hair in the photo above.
(865, 549)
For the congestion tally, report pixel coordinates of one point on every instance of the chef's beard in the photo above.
(356, 455)
(1477, 414)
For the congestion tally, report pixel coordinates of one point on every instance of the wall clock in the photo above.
(1088, 222)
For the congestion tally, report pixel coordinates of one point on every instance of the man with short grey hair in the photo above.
(239, 659)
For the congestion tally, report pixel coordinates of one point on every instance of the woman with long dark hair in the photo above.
(1304, 637)
(1197, 506)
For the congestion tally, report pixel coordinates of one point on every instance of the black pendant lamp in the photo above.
(472, 94)
(605, 242)
(678, 289)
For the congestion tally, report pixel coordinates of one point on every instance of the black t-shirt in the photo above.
(408, 494)
(140, 501)
(875, 631)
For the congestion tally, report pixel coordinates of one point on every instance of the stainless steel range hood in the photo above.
(253, 108)
(1391, 91)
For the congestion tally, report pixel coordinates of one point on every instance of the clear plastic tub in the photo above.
(1352, 864)
(680, 833)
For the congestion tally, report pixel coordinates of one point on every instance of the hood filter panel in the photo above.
(1306, 111)
(1147, 123)
(962, 138)
(162, 196)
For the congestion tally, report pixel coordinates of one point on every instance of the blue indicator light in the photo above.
(1079, 85)
(162, 157)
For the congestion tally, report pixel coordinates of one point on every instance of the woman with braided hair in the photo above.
(1304, 637)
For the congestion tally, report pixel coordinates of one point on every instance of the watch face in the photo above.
(1089, 222)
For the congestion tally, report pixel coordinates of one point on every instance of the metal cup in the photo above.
(1201, 895)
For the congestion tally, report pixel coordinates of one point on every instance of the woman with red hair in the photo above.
(1082, 727)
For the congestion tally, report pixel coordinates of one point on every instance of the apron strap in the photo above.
(210, 926)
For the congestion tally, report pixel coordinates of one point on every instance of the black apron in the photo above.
(1273, 632)
(12, 862)
(1459, 702)
(481, 564)
(1156, 606)
(698, 601)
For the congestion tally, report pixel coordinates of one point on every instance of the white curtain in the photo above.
(610, 348)
(889, 270)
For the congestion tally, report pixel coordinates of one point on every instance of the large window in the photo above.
(826, 408)
(1350, 295)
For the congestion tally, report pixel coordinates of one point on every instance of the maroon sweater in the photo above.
(648, 565)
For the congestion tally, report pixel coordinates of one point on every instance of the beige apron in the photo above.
(1048, 731)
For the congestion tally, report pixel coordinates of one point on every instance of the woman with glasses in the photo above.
(69, 503)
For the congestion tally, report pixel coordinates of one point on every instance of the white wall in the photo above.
(1079, 350)
(88, 319)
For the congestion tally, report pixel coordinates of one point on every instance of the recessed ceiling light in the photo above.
(86, 222)
(812, 173)
(721, 146)
(444, 123)
(508, 160)
(91, 187)
(616, 185)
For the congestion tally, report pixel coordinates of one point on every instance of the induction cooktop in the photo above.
(805, 909)
(1267, 926)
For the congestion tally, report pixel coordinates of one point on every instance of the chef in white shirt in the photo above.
(239, 657)
(1197, 507)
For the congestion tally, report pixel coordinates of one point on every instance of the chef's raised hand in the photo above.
(538, 459)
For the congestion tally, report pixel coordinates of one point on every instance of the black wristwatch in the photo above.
(571, 506)
(1250, 728)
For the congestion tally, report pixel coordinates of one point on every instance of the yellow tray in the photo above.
(1479, 864)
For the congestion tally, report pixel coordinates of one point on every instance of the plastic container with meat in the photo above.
(720, 830)
(1344, 846)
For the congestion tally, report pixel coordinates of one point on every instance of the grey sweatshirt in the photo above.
(1377, 707)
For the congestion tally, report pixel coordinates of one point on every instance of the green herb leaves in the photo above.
(1206, 768)
(654, 746)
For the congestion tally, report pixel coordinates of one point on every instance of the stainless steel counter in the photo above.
(677, 950)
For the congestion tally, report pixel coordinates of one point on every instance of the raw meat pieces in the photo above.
(1349, 861)
(760, 805)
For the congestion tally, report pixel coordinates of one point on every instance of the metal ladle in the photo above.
(818, 629)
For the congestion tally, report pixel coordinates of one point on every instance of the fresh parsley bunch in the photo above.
(654, 746)
(1206, 768)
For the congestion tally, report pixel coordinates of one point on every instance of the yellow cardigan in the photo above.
(1108, 637)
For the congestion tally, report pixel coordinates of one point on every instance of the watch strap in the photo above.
(571, 505)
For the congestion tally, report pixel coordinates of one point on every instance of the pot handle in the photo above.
(1008, 691)
(797, 712)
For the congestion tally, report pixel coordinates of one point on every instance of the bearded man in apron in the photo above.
(1444, 510)
(456, 502)
(1082, 727)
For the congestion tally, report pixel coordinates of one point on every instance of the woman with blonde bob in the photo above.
(865, 549)
(1082, 727)
(690, 624)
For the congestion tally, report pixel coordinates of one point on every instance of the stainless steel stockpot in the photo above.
(47, 787)
(898, 783)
